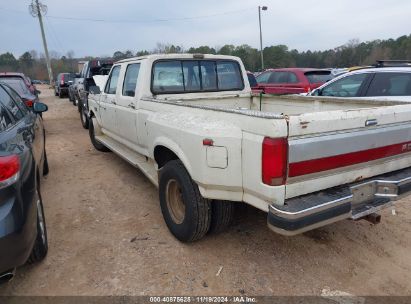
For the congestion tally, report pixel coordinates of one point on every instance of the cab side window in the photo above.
(10, 105)
(390, 84)
(111, 86)
(130, 79)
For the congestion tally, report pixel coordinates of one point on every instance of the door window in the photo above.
(130, 79)
(390, 84)
(346, 87)
(263, 78)
(111, 86)
(17, 99)
(5, 120)
(282, 77)
(10, 105)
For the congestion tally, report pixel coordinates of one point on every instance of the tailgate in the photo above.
(333, 148)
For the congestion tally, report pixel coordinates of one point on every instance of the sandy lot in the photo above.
(107, 237)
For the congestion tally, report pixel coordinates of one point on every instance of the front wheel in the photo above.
(84, 118)
(186, 213)
(98, 145)
(40, 247)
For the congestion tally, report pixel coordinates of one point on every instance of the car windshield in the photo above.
(318, 76)
(17, 84)
(68, 77)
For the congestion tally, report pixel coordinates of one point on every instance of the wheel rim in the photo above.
(175, 202)
(41, 223)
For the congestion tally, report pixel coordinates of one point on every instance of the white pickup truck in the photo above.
(192, 126)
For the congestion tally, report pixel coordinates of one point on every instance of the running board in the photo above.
(137, 160)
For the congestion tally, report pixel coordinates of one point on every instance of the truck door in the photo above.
(126, 113)
(108, 102)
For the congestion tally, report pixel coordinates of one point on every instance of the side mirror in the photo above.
(316, 92)
(39, 107)
(95, 90)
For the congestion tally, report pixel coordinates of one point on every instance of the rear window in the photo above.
(318, 76)
(185, 76)
(103, 69)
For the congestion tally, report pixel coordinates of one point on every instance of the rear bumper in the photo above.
(352, 201)
(17, 231)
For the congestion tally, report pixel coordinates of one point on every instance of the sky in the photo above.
(140, 25)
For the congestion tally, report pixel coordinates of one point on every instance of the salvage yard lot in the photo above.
(107, 237)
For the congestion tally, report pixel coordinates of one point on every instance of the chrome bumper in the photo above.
(347, 202)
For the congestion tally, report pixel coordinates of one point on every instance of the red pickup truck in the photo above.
(291, 80)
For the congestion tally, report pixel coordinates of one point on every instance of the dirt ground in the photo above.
(107, 237)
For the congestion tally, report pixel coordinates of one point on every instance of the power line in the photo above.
(54, 36)
(140, 21)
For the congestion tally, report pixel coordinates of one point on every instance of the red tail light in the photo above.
(9, 167)
(274, 161)
(62, 80)
(29, 102)
(307, 89)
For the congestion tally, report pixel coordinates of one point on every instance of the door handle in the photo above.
(131, 105)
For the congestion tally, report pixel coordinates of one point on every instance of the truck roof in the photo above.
(180, 56)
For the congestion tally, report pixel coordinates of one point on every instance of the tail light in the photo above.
(274, 161)
(9, 170)
(29, 102)
(307, 89)
(62, 80)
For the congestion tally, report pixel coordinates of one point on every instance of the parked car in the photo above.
(72, 90)
(189, 124)
(292, 80)
(62, 83)
(30, 86)
(85, 81)
(23, 161)
(376, 83)
(20, 87)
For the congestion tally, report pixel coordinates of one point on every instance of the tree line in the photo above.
(353, 53)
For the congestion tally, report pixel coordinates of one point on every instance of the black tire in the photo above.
(40, 247)
(70, 97)
(193, 222)
(85, 121)
(98, 145)
(45, 164)
(74, 101)
(55, 93)
(60, 94)
(222, 214)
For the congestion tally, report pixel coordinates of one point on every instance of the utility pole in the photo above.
(36, 9)
(260, 8)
